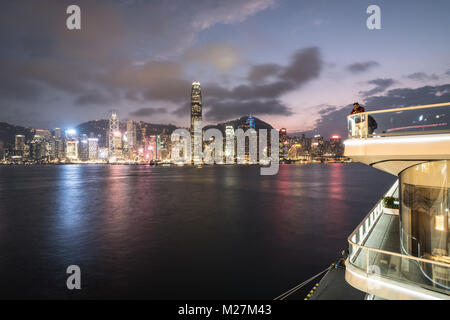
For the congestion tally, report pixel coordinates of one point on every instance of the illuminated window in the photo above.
(439, 223)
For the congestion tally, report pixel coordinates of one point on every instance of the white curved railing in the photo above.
(426, 119)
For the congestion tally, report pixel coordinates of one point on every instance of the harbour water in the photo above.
(218, 232)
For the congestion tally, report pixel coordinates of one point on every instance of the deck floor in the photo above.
(386, 236)
(334, 287)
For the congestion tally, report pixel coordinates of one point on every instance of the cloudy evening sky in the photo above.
(296, 64)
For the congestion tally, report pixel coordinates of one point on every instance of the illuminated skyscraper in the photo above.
(196, 122)
(19, 143)
(196, 104)
(158, 147)
(57, 133)
(335, 148)
(283, 144)
(131, 134)
(317, 145)
(83, 148)
(59, 148)
(229, 144)
(150, 149)
(39, 148)
(57, 144)
(114, 133)
(118, 143)
(93, 148)
(72, 148)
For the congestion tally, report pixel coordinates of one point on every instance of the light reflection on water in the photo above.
(169, 232)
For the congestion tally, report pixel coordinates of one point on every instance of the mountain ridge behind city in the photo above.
(100, 127)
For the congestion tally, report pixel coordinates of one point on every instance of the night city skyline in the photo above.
(286, 62)
(214, 158)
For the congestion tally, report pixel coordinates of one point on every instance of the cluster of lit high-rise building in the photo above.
(314, 148)
(290, 148)
(131, 145)
(132, 142)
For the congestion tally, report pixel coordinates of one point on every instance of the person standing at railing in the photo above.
(357, 108)
(359, 122)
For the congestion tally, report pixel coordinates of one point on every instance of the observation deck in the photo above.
(394, 139)
(403, 252)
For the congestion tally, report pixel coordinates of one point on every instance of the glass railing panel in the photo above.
(431, 274)
(357, 127)
(358, 257)
(409, 271)
(415, 121)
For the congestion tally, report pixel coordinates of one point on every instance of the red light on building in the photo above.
(335, 137)
(283, 130)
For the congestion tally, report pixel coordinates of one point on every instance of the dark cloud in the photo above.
(404, 97)
(122, 51)
(27, 80)
(262, 98)
(220, 111)
(94, 97)
(270, 90)
(380, 86)
(305, 65)
(224, 11)
(359, 67)
(41, 29)
(145, 112)
(18, 89)
(327, 109)
(333, 122)
(422, 76)
(221, 103)
(172, 90)
(183, 111)
(150, 81)
(261, 72)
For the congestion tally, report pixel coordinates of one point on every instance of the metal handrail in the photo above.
(391, 190)
(405, 133)
(402, 109)
(442, 264)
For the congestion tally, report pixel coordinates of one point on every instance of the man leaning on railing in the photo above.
(360, 122)
(357, 108)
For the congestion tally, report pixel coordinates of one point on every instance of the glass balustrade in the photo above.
(425, 270)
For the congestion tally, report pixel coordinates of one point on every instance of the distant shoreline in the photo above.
(167, 164)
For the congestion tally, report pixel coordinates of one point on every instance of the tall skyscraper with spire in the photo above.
(113, 133)
(196, 122)
(196, 104)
